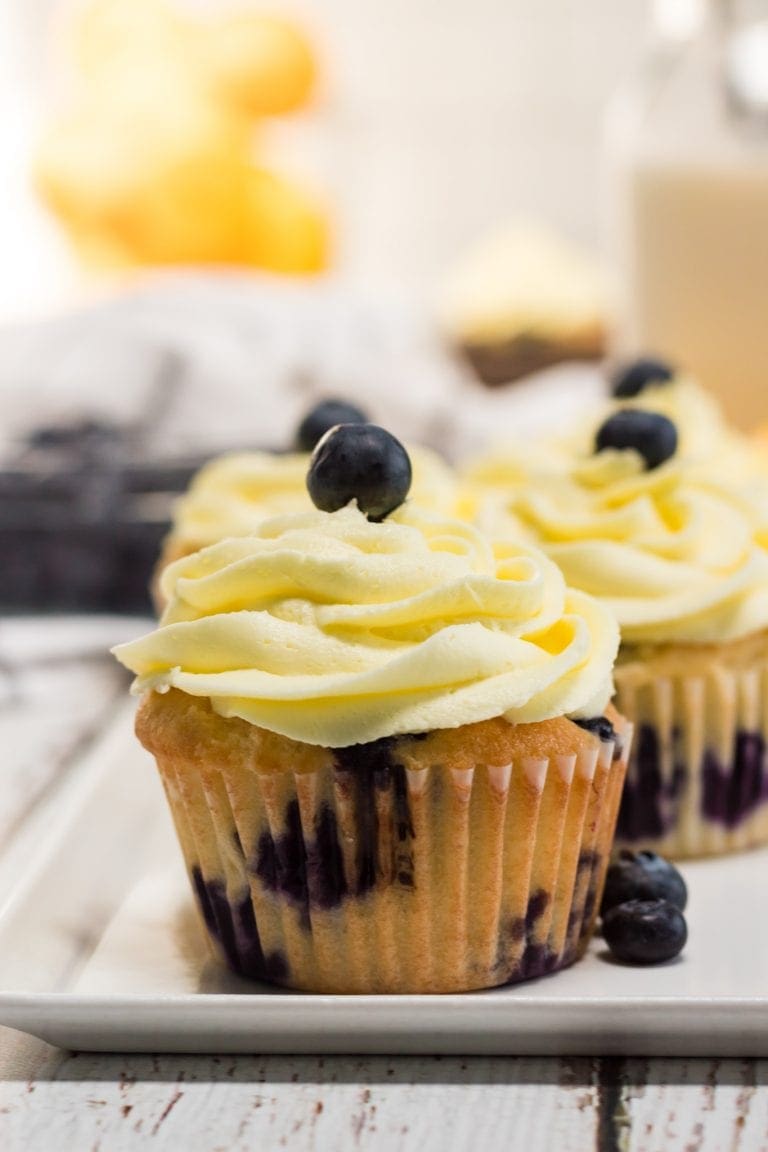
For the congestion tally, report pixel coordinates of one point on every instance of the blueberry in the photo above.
(327, 414)
(643, 876)
(600, 725)
(645, 931)
(359, 462)
(649, 433)
(632, 379)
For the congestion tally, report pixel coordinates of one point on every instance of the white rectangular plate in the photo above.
(100, 949)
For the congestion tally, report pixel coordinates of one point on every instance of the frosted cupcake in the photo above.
(387, 748)
(522, 300)
(675, 551)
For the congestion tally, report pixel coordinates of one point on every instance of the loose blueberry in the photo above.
(645, 931)
(600, 725)
(643, 876)
(327, 414)
(649, 433)
(632, 379)
(359, 462)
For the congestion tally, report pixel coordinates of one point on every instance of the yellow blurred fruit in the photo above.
(289, 230)
(262, 64)
(170, 188)
(153, 162)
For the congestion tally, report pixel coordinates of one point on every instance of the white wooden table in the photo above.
(57, 690)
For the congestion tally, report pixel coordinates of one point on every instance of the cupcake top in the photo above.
(703, 432)
(333, 630)
(704, 438)
(232, 494)
(673, 549)
(523, 278)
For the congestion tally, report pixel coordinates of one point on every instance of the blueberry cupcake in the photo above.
(678, 554)
(387, 746)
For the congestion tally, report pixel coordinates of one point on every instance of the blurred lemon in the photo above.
(261, 64)
(154, 160)
(288, 228)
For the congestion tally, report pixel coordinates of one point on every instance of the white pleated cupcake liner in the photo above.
(697, 783)
(400, 881)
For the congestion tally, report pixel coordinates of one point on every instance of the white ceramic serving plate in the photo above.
(100, 949)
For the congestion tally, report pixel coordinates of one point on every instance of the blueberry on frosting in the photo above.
(326, 414)
(631, 379)
(359, 462)
(652, 435)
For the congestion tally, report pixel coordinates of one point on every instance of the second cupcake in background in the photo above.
(388, 749)
(671, 540)
(234, 492)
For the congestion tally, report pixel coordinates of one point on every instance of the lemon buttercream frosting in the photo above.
(331, 630)
(674, 554)
(233, 493)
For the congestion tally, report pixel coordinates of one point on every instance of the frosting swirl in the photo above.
(675, 554)
(705, 440)
(332, 630)
(703, 433)
(232, 494)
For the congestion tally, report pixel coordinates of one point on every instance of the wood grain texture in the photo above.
(56, 694)
(696, 1105)
(50, 1099)
(306, 1103)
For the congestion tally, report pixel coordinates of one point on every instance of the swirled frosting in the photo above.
(334, 631)
(675, 554)
(703, 433)
(705, 439)
(232, 494)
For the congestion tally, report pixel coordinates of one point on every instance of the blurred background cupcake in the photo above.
(665, 528)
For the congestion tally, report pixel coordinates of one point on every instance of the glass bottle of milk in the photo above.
(688, 147)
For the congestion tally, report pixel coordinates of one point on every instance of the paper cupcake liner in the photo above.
(367, 877)
(697, 783)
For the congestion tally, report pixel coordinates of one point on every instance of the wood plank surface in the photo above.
(231, 1104)
(58, 689)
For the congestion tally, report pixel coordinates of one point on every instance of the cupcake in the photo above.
(677, 552)
(387, 747)
(522, 300)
